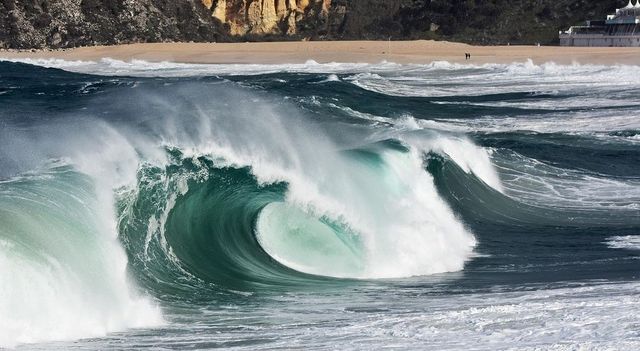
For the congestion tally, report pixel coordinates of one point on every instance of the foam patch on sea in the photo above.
(628, 242)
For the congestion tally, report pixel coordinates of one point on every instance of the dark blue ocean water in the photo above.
(319, 206)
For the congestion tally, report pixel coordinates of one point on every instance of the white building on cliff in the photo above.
(619, 29)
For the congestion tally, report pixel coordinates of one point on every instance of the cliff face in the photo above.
(499, 21)
(68, 23)
(491, 21)
(261, 17)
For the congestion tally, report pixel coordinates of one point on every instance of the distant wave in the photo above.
(517, 71)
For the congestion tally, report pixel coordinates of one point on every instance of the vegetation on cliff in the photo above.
(500, 21)
(69, 23)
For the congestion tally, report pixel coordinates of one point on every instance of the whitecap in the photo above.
(627, 242)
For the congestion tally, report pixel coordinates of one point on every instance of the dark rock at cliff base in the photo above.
(69, 23)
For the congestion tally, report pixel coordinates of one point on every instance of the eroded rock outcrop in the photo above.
(261, 17)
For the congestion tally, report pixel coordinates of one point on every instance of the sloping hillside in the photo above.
(69, 23)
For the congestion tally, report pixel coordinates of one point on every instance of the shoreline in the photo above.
(403, 52)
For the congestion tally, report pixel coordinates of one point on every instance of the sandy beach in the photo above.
(420, 51)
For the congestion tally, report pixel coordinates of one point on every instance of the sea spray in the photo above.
(63, 273)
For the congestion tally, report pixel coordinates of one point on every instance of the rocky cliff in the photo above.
(68, 23)
(266, 16)
(489, 21)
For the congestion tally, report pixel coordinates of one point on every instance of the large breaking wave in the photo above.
(209, 194)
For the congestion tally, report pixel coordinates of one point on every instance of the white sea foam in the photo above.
(331, 78)
(574, 122)
(111, 67)
(460, 73)
(554, 319)
(591, 318)
(628, 242)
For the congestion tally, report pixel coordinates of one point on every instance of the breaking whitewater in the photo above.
(319, 206)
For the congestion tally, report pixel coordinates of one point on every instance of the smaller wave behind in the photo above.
(442, 79)
(545, 185)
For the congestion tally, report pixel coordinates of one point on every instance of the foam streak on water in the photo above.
(541, 319)
(628, 242)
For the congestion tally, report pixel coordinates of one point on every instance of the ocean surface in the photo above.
(319, 206)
